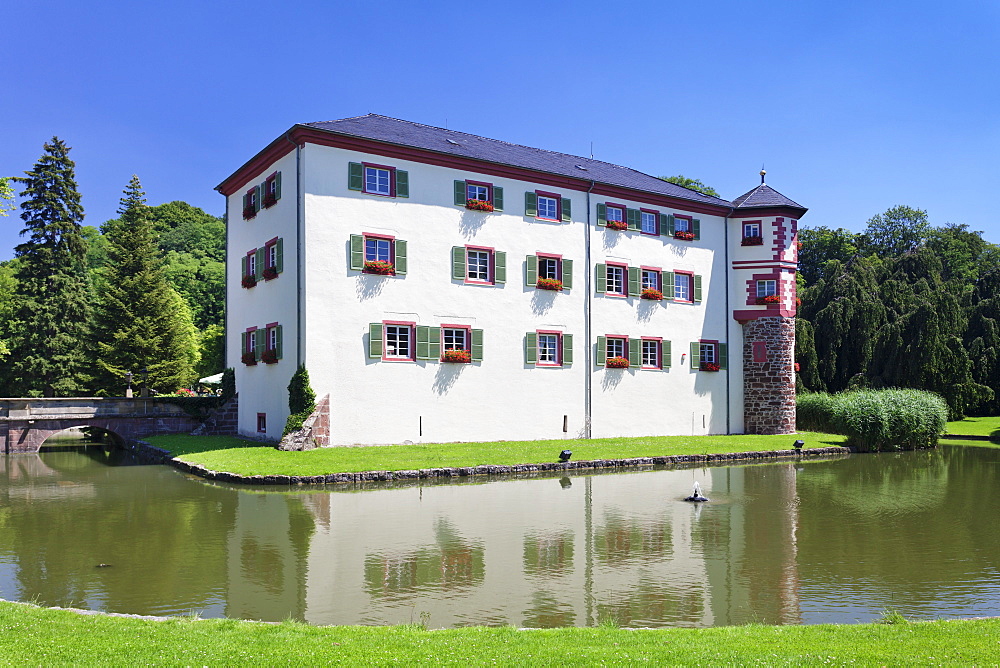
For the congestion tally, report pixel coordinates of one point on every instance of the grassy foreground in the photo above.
(31, 635)
(233, 455)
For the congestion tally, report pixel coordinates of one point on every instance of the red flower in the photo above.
(249, 212)
(270, 273)
(684, 235)
(479, 205)
(269, 200)
(249, 358)
(709, 366)
(619, 225)
(652, 293)
(249, 281)
(796, 367)
(769, 299)
(752, 241)
(458, 356)
(380, 267)
(269, 356)
(616, 363)
(549, 284)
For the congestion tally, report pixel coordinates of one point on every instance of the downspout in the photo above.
(225, 299)
(299, 260)
(588, 351)
(729, 314)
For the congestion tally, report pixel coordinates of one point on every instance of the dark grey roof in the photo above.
(405, 133)
(763, 196)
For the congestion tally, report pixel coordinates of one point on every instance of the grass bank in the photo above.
(31, 635)
(222, 453)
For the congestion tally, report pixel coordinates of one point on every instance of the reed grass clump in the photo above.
(876, 420)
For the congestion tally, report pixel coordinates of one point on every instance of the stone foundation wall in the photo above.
(769, 378)
(315, 432)
(224, 421)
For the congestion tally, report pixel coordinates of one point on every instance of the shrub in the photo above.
(228, 385)
(814, 412)
(301, 400)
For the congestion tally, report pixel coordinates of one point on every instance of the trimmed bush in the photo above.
(301, 400)
(877, 420)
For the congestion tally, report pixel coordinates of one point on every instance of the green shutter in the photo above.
(696, 228)
(602, 350)
(356, 178)
(665, 354)
(499, 267)
(244, 202)
(602, 279)
(567, 209)
(258, 197)
(243, 265)
(279, 256)
(531, 348)
(402, 183)
(461, 194)
(260, 263)
(671, 226)
(531, 270)
(277, 342)
(567, 274)
(423, 342)
(260, 342)
(697, 287)
(635, 352)
(375, 340)
(634, 281)
(695, 355)
(664, 225)
(243, 343)
(531, 205)
(602, 214)
(633, 218)
(477, 345)
(277, 186)
(723, 356)
(434, 343)
(458, 262)
(497, 198)
(399, 264)
(567, 349)
(357, 252)
(667, 281)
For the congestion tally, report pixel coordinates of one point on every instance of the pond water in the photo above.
(784, 543)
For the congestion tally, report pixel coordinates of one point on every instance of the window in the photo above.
(377, 254)
(251, 343)
(477, 192)
(682, 227)
(547, 206)
(272, 259)
(548, 348)
(767, 288)
(617, 346)
(271, 190)
(478, 265)
(707, 353)
(478, 196)
(548, 267)
(649, 222)
(650, 279)
(681, 224)
(250, 266)
(261, 423)
(682, 287)
(708, 356)
(251, 203)
(616, 214)
(378, 180)
(391, 341)
(751, 230)
(455, 338)
(615, 280)
(651, 354)
(548, 272)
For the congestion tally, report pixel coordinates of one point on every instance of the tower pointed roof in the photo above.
(766, 197)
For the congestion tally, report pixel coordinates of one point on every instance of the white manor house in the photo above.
(442, 286)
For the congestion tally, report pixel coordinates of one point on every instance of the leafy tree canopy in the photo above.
(894, 232)
(6, 196)
(691, 184)
(822, 244)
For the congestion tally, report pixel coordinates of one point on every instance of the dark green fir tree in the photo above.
(52, 313)
(140, 321)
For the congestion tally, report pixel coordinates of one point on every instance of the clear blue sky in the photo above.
(853, 107)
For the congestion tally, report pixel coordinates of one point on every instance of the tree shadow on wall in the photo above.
(471, 222)
(612, 377)
(446, 376)
(611, 239)
(370, 286)
(644, 313)
(542, 301)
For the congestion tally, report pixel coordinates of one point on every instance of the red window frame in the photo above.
(690, 279)
(268, 195)
(482, 184)
(468, 337)
(690, 223)
(550, 256)
(251, 260)
(612, 205)
(250, 340)
(250, 210)
(268, 246)
(556, 197)
(715, 344)
(656, 272)
(658, 340)
(656, 222)
(624, 268)
(608, 338)
(412, 340)
(760, 228)
(364, 179)
(269, 329)
(491, 269)
(382, 237)
(559, 347)
(261, 423)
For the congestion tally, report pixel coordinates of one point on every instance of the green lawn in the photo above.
(38, 636)
(974, 426)
(221, 453)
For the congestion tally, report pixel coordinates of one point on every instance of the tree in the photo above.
(6, 196)
(690, 184)
(982, 337)
(894, 232)
(141, 322)
(822, 244)
(52, 314)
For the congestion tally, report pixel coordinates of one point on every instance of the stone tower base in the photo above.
(769, 375)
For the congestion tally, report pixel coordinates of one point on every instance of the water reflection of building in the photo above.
(541, 553)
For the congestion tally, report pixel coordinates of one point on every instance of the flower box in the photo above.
(249, 213)
(549, 284)
(684, 235)
(797, 367)
(269, 356)
(769, 299)
(249, 281)
(269, 200)
(457, 356)
(652, 293)
(380, 267)
(619, 225)
(270, 273)
(752, 241)
(709, 366)
(249, 359)
(479, 205)
(616, 363)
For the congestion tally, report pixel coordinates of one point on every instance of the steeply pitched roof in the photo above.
(764, 196)
(406, 133)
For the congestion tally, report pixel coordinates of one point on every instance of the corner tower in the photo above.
(764, 260)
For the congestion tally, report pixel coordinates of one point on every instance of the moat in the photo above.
(837, 540)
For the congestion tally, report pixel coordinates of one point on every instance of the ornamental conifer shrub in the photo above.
(301, 400)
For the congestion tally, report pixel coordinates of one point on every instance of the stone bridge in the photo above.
(26, 423)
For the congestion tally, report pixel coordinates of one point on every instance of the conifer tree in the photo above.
(140, 321)
(983, 338)
(52, 315)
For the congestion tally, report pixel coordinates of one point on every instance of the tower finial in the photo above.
(762, 173)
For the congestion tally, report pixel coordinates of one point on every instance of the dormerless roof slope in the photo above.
(763, 196)
(406, 133)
